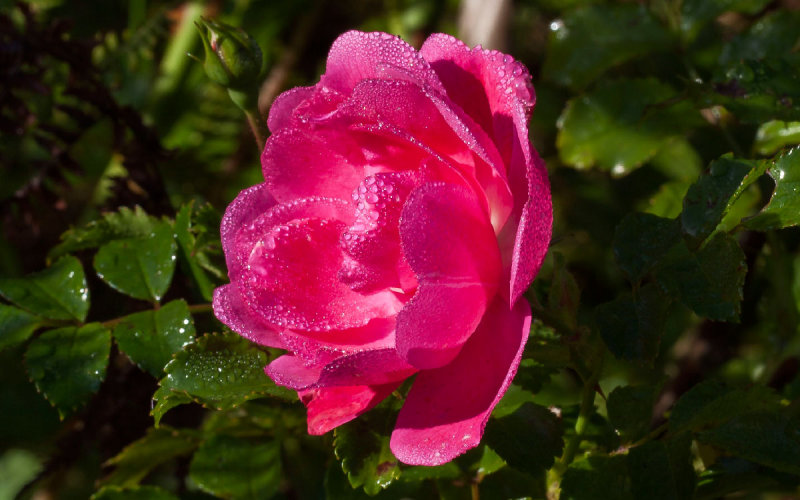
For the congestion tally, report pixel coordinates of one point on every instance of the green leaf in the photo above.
(150, 338)
(775, 134)
(564, 296)
(234, 467)
(58, 292)
(711, 403)
(734, 475)
(710, 198)
(697, 13)
(137, 493)
(640, 240)
(632, 325)
(68, 364)
(362, 447)
(140, 457)
(139, 267)
(709, 281)
(529, 439)
(662, 470)
(590, 40)
(166, 399)
(421, 472)
(125, 223)
(773, 35)
(192, 231)
(668, 201)
(768, 438)
(756, 91)
(16, 325)
(585, 479)
(622, 124)
(783, 209)
(597, 429)
(630, 410)
(219, 371)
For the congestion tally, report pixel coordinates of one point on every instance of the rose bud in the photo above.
(232, 57)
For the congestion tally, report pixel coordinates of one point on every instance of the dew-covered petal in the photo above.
(487, 84)
(450, 244)
(243, 234)
(248, 205)
(230, 308)
(446, 410)
(330, 407)
(298, 163)
(357, 56)
(429, 119)
(373, 256)
(291, 280)
(282, 109)
(368, 367)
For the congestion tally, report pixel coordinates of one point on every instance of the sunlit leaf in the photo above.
(362, 446)
(150, 338)
(139, 267)
(783, 209)
(58, 292)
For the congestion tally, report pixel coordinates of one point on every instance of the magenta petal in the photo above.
(246, 208)
(301, 163)
(379, 366)
(446, 410)
(450, 244)
(330, 407)
(280, 113)
(232, 311)
(291, 280)
(289, 371)
(356, 56)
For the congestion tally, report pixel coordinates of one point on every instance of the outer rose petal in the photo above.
(357, 56)
(229, 307)
(280, 113)
(450, 245)
(496, 92)
(330, 407)
(248, 205)
(447, 408)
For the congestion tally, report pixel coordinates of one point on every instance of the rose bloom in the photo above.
(402, 215)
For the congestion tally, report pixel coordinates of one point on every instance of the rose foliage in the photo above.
(403, 212)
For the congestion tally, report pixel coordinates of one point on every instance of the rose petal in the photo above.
(291, 280)
(242, 211)
(230, 308)
(450, 245)
(324, 347)
(373, 367)
(282, 109)
(298, 163)
(356, 56)
(446, 410)
(330, 407)
(496, 92)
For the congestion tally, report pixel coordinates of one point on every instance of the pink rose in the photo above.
(402, 215)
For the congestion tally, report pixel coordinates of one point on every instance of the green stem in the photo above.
(248, 103)
(587, 407)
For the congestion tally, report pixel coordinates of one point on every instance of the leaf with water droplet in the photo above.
(202, 372)
(58, 292)
(233, 467)
(68, 364)
(590, 40)
(140, 267)
(140, 457)
(620, 125)
(712, 196)
(150, 338)
(16, 325)
(783, 209)
(362, 447)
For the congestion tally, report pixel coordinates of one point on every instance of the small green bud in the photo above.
(232, 57)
